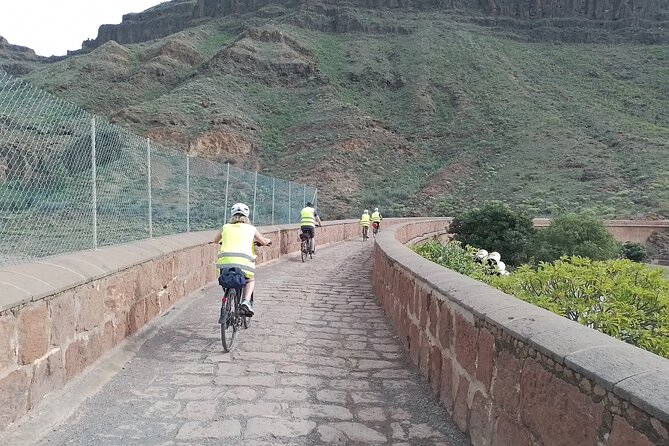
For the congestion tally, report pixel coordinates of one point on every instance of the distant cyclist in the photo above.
(237, 249)
(309, 218)
(364, 222)
(376, 219)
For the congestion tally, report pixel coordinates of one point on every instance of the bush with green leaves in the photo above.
(456, 257)
(621, 298)
(576, 235)
(636, 252)
(496, 227)
(624, 299)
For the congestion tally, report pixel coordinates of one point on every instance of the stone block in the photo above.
(63, 315)
(75, 359)
(48, 375)
(120, 292)
(506, 386)
(8, 353)
(461, 409)
(435, 369)
(509, 432)
(90, 303)
(484, 360)
(445, 328)
(623, 434)
(14, 392)
(33, 332)
(546, 398)
(414, 343)
(137, 316)
(481, 420)
(447, 391)
(152, 306)
(466, 337)
(120, 328)
(424, 360)
(434, 314)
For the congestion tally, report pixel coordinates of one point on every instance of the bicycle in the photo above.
(232, 317)
(305, 246)
(365, 232)
(375, 228)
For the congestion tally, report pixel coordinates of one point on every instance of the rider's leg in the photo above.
(248, 291)
(312, 243)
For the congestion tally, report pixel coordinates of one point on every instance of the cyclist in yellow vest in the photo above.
(308, 220)
(364, 222)
(376, 218)
(237, 249)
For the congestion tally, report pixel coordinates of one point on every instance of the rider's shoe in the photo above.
(247, 307)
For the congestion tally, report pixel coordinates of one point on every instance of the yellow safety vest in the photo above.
(237, 248)
(308, 217)
(364, 220)
(376, 216)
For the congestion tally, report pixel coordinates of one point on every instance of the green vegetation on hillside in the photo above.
(441, 116)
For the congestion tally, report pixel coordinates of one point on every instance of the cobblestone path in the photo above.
(319, 365)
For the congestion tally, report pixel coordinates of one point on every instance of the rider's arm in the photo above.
(260, 239)
(217, 239)
(318, 220)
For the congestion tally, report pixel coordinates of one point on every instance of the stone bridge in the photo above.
(366, 344)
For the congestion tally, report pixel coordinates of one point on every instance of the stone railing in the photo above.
(637, 231)
(511, 373)
(58, 315)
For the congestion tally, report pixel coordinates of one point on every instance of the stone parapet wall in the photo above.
(59, 315)
(511, 373)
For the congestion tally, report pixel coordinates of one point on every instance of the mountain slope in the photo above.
(412, 110)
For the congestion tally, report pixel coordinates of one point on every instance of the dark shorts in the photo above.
(309, 230)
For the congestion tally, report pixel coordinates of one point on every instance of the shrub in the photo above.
(636, 252)
(576, 235)
(454, 256)
(621, 298)
(495, 227)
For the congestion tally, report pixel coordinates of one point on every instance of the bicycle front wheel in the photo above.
(228, 319)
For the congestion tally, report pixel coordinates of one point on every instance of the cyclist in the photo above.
(364, 222)
(376, 219)
(309, 218)
(237, 240)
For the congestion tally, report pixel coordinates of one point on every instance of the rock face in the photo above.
(176, 15)
(17, 60)
(154, 23)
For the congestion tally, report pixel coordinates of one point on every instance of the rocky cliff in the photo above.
(608, 15)
(17, 60)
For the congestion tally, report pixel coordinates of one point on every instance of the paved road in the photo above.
(319, 365)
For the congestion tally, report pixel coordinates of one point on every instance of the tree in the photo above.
(577, 235)
(636, 252)
(495, 227)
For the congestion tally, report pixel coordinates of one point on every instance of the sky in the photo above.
(51, 27)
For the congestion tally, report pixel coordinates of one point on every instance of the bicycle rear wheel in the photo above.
(228, 319)
(304, 249)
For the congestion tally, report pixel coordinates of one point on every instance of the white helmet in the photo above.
(501, 266)
(376, 209)
(494, 256)
(240, 208)
(482, 254)
(366, 211)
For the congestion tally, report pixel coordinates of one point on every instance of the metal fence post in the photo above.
(304, 196)
(227, 179)
(94, 185)
(273, 181)
(289, 193)
(255, 191)
(187, 193)
(148, 177)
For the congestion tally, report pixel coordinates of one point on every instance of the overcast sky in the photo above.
(51, 27)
